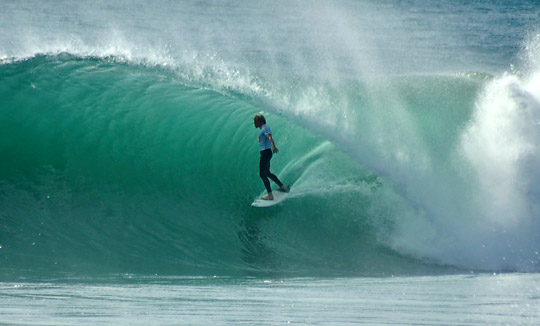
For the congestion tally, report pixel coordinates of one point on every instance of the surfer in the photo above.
(266, 147)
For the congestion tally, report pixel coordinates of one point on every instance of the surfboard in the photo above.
(278, 198)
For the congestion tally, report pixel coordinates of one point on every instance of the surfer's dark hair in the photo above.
(260, 118)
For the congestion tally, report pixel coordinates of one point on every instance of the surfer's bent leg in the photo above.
(264, 168)
(274, 178)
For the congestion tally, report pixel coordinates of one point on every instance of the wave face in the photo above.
(114, 167)
(127, 148)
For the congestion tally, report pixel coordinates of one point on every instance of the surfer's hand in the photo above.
(275, 150)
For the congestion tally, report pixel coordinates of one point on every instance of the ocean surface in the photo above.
(409, 131)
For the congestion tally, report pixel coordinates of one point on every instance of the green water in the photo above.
(111, 167)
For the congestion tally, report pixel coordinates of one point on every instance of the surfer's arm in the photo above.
(274, 148)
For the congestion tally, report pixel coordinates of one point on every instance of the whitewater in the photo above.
(409, 131)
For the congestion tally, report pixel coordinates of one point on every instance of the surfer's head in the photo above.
(259, 120)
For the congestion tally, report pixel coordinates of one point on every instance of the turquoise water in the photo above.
(121, 168)
(408, 131)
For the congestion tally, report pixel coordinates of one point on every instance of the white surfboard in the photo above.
(278, 198)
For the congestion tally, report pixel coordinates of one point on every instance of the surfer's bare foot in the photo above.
(284, 189)
(270, 196)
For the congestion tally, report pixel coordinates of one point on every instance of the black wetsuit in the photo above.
(264, 170)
